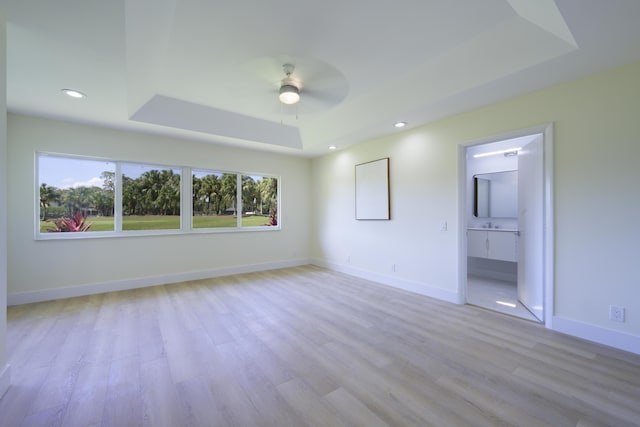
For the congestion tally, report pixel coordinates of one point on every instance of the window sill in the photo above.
(146, 233)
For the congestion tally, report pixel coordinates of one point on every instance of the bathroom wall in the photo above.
(480, 267)
(495, 163)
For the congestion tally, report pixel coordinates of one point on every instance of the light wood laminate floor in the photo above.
(302, 347)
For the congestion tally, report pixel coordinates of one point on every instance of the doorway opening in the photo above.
(506, 254)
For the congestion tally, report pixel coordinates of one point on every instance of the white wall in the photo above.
(39, 269)
(597, 202)
(423, 193)
(4, 369)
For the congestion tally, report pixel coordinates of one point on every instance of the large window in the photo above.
(88, 195)
(70, 190)
(150, 197)
(259, 200)
(218, 197)
(214, 199)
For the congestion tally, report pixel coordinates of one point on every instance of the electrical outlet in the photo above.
(616, 313)
(443, 226)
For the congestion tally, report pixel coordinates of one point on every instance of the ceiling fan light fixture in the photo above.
(289, 94)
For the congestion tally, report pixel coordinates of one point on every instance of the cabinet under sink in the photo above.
(499, 244)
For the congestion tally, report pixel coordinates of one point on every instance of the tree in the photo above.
(228, 189)
(196, 185)
(155, 192)
(109, 180)
(250, 194)
(79, 199)
(150, 184)
(268, 188)
(131, 195)
(48, 194)
(168, 200)
(102, 201)
(211, 193)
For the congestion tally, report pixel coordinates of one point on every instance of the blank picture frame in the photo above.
(372, 190)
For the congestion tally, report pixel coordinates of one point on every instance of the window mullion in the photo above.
(186, 199)
(117, 202)
(239, 200)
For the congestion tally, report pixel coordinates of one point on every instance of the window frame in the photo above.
(240, 175)
(186, 202)
(118, 206)
(239, 204)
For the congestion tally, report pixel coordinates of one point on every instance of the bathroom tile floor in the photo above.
(496, 295)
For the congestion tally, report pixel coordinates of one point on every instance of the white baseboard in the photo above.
(598, 334)
(5, 379)
(121, 285)
(407, 285)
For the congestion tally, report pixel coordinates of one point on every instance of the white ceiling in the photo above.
(210, 70)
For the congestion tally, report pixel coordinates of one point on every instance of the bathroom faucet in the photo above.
(489, 224)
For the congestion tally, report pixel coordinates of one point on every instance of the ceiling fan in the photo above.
(308, 86)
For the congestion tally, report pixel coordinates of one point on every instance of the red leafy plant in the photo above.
(273, 219)
(76, 223)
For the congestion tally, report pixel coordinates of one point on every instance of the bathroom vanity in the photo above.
(493, 243)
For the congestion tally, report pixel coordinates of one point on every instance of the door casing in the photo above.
(548, 227)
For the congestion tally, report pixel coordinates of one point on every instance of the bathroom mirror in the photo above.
(496, 195)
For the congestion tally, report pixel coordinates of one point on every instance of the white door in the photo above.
(530, 224)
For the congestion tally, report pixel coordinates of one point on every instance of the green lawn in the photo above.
(164, 222)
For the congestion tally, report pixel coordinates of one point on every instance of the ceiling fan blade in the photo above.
(267, 70)
(322, 85)
(334, 93)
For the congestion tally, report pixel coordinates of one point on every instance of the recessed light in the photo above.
(332, 147)
(74, 93)
(400, 124)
